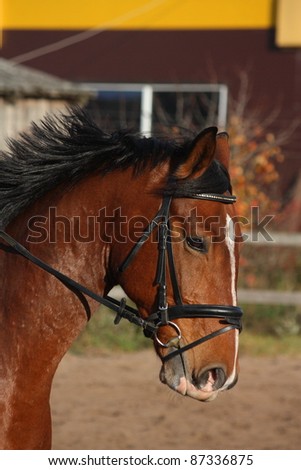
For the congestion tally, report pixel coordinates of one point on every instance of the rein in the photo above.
(122, 310)
(229, 315)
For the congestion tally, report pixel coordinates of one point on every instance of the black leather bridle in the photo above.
(164, 315)
(229, 315)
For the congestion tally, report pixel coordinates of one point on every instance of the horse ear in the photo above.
(222, 151)
(200, 155)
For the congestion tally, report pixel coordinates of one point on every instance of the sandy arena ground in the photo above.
(115, 401)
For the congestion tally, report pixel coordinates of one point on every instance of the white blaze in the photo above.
(230, 242)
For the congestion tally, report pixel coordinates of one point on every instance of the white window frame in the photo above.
(147, 92)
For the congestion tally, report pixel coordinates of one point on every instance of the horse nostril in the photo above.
(212, 379)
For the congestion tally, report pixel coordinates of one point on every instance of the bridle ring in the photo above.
(173, 341)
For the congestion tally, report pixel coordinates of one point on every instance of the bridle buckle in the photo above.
(163, 309)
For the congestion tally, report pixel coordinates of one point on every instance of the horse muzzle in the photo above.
(204, 386)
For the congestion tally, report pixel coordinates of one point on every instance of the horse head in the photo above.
(182, 269)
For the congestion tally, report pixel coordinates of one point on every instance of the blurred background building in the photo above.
(188, 63)
(26, 95)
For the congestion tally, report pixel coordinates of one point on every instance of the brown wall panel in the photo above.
(190, 56)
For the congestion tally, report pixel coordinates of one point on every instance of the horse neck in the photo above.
(39, 316)
(76, 238)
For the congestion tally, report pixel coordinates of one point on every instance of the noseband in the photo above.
(227, 314)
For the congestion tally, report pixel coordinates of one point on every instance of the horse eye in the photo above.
(196, 243)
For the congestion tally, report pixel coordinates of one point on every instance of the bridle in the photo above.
(228, 315)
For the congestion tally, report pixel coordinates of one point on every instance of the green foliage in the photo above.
(273, 320)
(268, 345)
(101, 333)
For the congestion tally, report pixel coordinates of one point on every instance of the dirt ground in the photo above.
(115, 401)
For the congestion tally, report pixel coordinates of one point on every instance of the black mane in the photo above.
(69, 147)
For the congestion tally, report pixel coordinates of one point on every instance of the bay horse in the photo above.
(82, 210)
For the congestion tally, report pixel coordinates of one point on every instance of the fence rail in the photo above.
(268, 297)
(273, 238)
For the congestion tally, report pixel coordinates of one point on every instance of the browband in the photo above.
(225, 199)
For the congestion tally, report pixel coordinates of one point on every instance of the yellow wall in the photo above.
(134, 14)
(288, 31)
